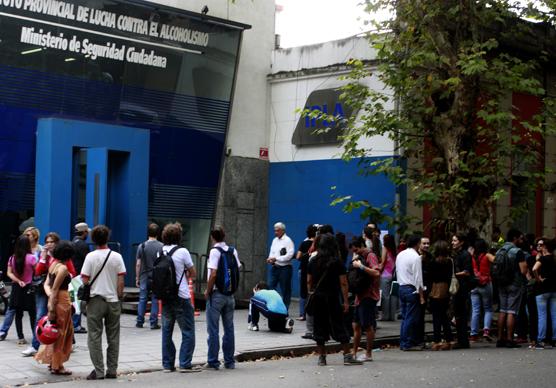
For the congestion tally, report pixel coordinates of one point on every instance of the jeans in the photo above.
(220, 305)
(142, 307)
(411, 310)
(282, 276)
(389, 302)
(181, 311)
(76, 318)
(276, 321)
(481, 296)
(440, 320)
(544, 302)
(302, 302)
(41, 301)
(8, 320)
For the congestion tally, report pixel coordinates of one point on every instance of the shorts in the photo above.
(510, 298)
(365, 314)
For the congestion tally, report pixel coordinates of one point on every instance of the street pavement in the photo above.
(481, 366)
(140, 349)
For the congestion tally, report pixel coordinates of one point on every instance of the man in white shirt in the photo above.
(280, 257)
(104, 307)
(179, 308)
(410, 277)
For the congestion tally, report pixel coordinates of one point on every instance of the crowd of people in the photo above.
(345, 288)
(42, 277)
(460, 282)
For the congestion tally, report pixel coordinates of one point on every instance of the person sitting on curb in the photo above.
(270, 304)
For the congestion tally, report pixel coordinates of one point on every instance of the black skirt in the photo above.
(22, 298)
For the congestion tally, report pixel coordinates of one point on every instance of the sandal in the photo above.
(60, 372)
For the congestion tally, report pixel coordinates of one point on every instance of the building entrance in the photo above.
(93, 172)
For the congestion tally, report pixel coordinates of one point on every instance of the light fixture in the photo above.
(69, 59)
(31, 51)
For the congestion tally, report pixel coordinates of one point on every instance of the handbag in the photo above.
(309, 305)
(439, 291)
(454, 283)
(84, 292)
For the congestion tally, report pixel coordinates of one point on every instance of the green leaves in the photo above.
(450, 69)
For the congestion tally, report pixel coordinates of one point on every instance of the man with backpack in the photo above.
(223, 276)
(147, 253)
(171, 272)
(507, 267)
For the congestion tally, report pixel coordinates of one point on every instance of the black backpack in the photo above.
(227, 275)
(358, 281)
(164, 285)
(502, 270)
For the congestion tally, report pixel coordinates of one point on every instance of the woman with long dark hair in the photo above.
(59, 310)
(388, 268)
(440, 272)
(20, 270)
(327, 280)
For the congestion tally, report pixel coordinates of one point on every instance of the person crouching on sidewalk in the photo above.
(270, 304)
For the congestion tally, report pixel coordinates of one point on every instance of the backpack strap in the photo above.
(101, 268)
(171, 253)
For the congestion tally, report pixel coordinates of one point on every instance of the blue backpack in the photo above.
(227, 275)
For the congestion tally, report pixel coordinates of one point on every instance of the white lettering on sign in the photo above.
(102, 18)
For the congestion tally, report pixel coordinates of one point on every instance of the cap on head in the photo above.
(82, 227)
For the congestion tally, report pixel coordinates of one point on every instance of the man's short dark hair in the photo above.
(171, 234)
(218, 234)
(414, 240)
(357, 242)
(153, 230)
(261, 285)
(327, 228)
(311, 231)
(513, 234)
(100, 234)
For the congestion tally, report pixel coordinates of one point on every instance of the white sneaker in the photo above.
(253, 327)
(289, 325)
(30, 351)
(364, 358)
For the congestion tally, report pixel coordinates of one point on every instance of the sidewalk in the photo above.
(140, 349)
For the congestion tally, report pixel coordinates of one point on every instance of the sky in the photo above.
(302, 22)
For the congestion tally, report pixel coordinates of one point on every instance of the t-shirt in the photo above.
(182, 262)
(547, 271)
(81, 251)
(28, 268)
(147, 257)
(273, 300)
(373, 291)
(389, 266)
(518, 256)
(214, 258)
(304, 249)
(106, 284)
(331, 283)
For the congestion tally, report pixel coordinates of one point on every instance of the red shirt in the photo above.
(481, 267)
(373, 291)
(46, 261)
